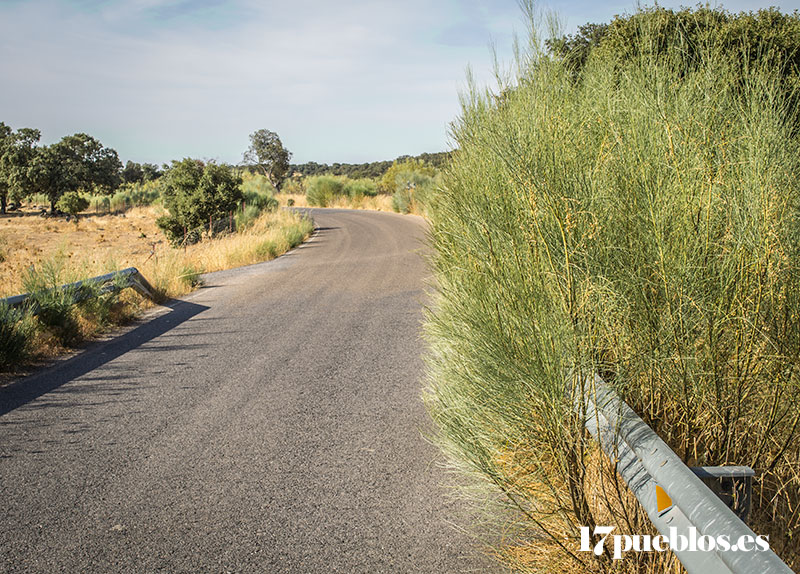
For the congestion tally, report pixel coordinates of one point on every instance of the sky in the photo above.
(338, 81)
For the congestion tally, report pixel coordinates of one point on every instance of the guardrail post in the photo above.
(733, 485)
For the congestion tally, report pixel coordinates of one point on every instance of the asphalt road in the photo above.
(269, 422)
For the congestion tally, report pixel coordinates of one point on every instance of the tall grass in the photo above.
(641, 221)
(129, 195)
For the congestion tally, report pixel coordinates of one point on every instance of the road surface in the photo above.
(269, 422)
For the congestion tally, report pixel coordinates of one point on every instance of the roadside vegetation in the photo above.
(173, 223)
(404, 186)
(624, 203)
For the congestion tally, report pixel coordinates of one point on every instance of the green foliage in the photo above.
(639, 219)
(294, 185)
(100, 204)
(321, 190)
(196, 194)
(267, 249)
(73, 203)
(390, 183)
(267, 153)
(76, 163)
(16, 332)
(140, 172)
(402, 201)
(245, 216)
(766, 37)
(358, 188)
(261, 202)
(132, 172)
(257, 184)
(16, 155)
(53, 304)
(412, 190)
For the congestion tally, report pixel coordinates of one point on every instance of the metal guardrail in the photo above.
(130, 277)
(645, 462)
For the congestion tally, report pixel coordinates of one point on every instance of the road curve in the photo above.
(269, 422)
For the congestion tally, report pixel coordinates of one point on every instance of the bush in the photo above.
(412, 190)
(402, 200)
(267, 249)
(638, 219)
(16, 331)
(389, 181)
(358, 188)
(293, 185)
(196, 195)
(72, 202)
(259, 201)
(321, 190)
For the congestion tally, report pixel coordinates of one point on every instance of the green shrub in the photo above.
(196, 195)
(402, 200)
(72, 202)
(16, 331)
(293, 185)
(359, 188)
(640, 220)
(321, 190)
(245, 217)
(258, 184)
(261, 202)
(400, 169)
(295, 234)
(120, 201)
(267, 249)
(412, 191)
(96, 303)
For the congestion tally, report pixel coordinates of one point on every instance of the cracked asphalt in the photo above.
(269, 422)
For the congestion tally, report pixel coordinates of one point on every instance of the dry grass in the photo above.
(558, 549)
(95, 245)
(101, 244)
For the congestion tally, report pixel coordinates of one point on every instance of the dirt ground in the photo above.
(95, 245)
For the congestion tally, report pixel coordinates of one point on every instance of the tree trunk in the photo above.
(3, 201)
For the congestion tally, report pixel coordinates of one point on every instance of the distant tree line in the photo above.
(375, 169)
(79, 164)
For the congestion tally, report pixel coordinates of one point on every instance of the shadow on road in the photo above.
(25, 390)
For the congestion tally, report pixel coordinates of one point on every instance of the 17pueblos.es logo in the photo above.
(622, 543)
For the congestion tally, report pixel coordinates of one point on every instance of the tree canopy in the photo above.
(76, 163)
(195, 193)
(17, 150)
(267, 153)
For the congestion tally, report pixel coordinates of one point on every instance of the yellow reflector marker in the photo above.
(663, 501)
